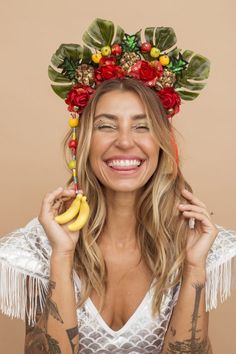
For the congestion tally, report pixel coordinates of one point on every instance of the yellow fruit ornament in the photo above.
(164, 60)
(72, 164)
(96, 57)
(73, 122)
(82, 217)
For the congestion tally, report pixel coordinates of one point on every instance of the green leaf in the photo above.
(148, 33)
(69, 68)
(61, 91)
(56, 76)
(187, 96)
(67, 57)
(194, 86)
(187, 54)
(198, 68)
(177, 64)
(119, 35)
(174, 52)
(165, 38)
(69, 51)
(100, 33)
(86, 56)
(161, 37)
(131, 43)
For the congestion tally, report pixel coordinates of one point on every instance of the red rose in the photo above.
(78, 97)
(107, 61)
(170, 100)
(146, 71)
(107, 72)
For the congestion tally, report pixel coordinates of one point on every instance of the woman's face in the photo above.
(124, 151)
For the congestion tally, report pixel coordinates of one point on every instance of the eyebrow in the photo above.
(114, 117)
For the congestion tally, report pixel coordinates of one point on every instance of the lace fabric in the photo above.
(141, 334)
(26, 252)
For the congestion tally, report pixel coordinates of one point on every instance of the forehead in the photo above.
(120, 103)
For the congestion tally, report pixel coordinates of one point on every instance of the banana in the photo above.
(70, 213)
(82, 217)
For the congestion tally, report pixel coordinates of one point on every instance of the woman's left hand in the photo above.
(202, 236)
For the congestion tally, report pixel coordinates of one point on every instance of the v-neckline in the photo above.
(89, 303)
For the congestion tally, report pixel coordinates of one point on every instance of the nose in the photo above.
(125, 139)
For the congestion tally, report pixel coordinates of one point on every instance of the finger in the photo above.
(63, 194)
(50, 197)
(69, 195)
(192, 207)
(57, 207)
(192, 198)
(201, 217)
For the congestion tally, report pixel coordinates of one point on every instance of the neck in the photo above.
(119, 230)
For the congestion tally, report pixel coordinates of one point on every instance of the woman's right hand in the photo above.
(61, 239)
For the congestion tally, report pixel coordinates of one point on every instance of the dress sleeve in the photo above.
(220, 271)
(24, 271)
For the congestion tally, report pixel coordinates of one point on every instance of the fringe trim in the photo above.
(219, 282)
(13, 293)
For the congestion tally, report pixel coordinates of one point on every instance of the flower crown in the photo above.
(108, 54)
(174, 75)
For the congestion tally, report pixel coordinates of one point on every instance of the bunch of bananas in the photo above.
(79, 206)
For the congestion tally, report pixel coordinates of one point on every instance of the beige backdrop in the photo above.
(34, 119)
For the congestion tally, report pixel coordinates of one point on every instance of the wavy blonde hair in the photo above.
(161, 231)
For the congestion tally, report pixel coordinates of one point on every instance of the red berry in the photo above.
(75, 187)
(116, 49)
(146, 47)
(73, 144)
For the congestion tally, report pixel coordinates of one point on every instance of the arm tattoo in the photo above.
(37, 340)
(51, 306)
(72, 334)
(192, 345)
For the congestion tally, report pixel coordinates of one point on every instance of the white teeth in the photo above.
(124, 163)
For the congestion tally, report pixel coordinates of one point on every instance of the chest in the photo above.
(127, 287)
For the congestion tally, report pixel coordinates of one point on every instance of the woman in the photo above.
(120, 257)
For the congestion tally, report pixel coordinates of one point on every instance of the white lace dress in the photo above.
(26, 252)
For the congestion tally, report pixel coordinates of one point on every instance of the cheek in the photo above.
(98, 147)
(151, 148)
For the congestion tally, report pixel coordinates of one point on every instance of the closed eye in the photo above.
(105, 126)
(143, 127)
(113, 127)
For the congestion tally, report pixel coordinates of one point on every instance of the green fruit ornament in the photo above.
(155, 52)
(106, 51)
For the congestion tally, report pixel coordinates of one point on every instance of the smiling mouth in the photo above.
(124, 169)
